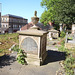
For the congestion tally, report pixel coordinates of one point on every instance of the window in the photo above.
(19, 26)
(6, 25)
(3, 19)
(6, 19)
(3, 26)
(13, 26)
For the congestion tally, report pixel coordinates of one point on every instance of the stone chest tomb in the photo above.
(33, 42)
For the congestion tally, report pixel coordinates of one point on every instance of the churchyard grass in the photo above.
(6, 41)
(69, 62)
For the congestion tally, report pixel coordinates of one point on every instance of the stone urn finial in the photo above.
(35, 19)
(35, 14)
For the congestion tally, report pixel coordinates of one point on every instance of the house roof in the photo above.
(27, 26)
(53, 30)
(13, 16)
(40, 25)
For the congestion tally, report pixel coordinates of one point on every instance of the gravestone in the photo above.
(61, 27)
(33, 42)
(53, 34)
(66, 39)
(70, 43)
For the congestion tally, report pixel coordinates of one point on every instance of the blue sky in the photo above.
(24, 8)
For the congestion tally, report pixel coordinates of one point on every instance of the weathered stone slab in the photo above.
(28, 44)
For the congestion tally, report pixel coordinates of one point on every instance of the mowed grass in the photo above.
(7, 40)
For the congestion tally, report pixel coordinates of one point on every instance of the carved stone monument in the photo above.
(53, 34)
(33, 42)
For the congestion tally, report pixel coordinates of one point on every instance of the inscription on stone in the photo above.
(28, 44)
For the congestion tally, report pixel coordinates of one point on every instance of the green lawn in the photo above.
(7, 40)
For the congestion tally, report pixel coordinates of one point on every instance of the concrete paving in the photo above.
(17, 69)
(50, 66)
(9, 65)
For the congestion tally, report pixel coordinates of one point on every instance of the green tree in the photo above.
(60, 11)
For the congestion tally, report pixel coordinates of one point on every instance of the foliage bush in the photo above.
(62, 34)
(68, 65)
(61, 49)
(63, 42)
(21, 55)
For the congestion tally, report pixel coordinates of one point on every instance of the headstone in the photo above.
(61, 27)
(53, 34)
(70, 44)
(66, 39)
(50, 37)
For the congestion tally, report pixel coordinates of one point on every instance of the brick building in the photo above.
(11, 23)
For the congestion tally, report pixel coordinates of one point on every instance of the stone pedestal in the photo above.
(53, 34)
(33, 42)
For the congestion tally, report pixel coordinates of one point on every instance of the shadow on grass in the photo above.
(6, 60)
(53, 56)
